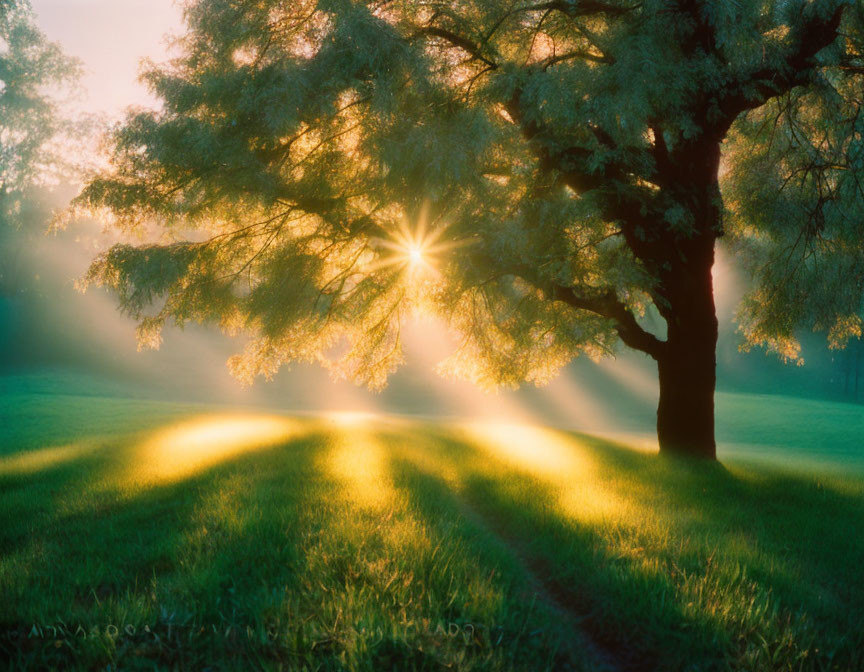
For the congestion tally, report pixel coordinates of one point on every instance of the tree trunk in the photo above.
(685, 414)
(687, 365)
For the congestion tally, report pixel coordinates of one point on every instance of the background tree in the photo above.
(538, 174)
(33, 129)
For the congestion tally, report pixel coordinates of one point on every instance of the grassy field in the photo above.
(138, 534)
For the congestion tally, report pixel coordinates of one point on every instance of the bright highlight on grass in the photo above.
(560, 461)
(185, 449)
(35, 460)
(359, 462)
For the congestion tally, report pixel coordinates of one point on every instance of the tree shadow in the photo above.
(686, 568)
(261, 560)
(161, 565)
(696, 562)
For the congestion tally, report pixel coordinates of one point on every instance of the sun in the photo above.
(415, 254)
(415, 246)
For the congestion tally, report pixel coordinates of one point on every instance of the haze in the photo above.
(110, 37)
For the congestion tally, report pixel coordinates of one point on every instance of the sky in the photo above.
(110, 37)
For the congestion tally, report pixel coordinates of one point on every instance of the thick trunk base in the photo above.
(685, 414)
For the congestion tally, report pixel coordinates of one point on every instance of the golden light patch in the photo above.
(36, 460)
(535, 450)
(360, 463)
(560, 460)
(189, 447)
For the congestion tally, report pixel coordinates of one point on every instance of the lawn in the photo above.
(137, 533)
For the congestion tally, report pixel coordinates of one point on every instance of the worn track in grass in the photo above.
(572, 611)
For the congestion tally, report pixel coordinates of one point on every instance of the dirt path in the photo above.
(578, 647)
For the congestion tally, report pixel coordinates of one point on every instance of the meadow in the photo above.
(142, 534)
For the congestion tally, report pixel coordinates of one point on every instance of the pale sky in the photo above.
(110, 37)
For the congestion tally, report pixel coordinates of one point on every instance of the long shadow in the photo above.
(211, 556)
(228, 550)
(524, 633)
(779, 538)
(436, 503)
(482, 501)
(780, 514)
(31, 497)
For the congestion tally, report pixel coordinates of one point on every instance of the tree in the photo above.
(538, 174)
(32, 132)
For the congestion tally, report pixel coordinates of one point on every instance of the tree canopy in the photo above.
(537, 174)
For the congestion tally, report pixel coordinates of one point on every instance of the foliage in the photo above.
(33, 128)
(536, 174)
(799, 226)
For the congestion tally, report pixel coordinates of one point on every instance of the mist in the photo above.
(48, 325)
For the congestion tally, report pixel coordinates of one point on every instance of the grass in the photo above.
(814, 434)
(138, 534)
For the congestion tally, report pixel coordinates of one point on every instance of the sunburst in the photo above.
(417, 249)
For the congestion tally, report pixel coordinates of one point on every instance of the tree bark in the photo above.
(687, 364)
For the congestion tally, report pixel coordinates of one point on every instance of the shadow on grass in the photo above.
(263, 560)
(135, 576)
(528, 623)
(696, 566)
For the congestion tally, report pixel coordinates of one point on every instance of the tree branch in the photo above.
(457, 41)
(577, 53)
(574, 8)
(796, 63)
(604, 303)
(627, 207)
(608, 305)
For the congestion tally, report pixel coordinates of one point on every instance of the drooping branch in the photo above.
(576, 8)
(583, 54)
